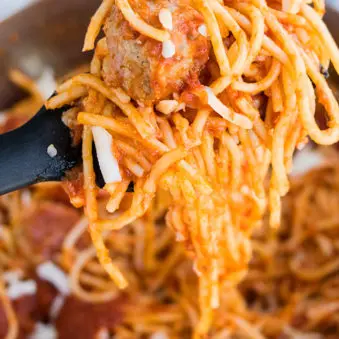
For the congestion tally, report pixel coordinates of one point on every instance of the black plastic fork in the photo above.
(24, 159)
(24, 156)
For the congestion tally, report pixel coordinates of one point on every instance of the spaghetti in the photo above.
(245, 94)
(199, 134)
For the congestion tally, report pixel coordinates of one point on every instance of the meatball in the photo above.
(30, 309)
(45, 296)
(44, 229)
(79, 319)
(135, 62)
(24, 308)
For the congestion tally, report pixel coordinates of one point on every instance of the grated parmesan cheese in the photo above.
(46, 83)
(11, 277)
(52, 151)
(306, 160)
(103, 333)
(167, 106)
(56, 306)
(44, 331)
(202, 29)
(168, 49)
(179, 237)
(245, 190)
(107, 162)
(225, 112)
(26, 197)
(50, 272)
(165, 18)
(159, 335)
(18, 289)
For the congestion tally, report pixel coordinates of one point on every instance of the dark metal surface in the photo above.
(23, 152)
(48, 33)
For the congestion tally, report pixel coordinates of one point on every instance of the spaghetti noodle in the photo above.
(199, 134)
(212, 151)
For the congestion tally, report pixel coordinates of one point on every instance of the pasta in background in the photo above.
(202, 105)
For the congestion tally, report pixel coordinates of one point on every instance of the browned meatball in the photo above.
(79, 319)
(45, 296)
(44, 229)
(136, 62)
(24, 308)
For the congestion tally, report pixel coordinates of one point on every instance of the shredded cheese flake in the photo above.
(46, 83)
(12, 277)
(18, 289)
(50, 272)
(167, 106)
(56, 306)
(52, 151)
(26, 197)
(44, 331)
(202, 29)
(306, 160)
(107, 162)
(103, 333)
(165, 18)
(168, 49)
(179, 237)
(159, 335)
(225, 112)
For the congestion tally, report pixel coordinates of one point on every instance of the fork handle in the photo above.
(23, 152)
